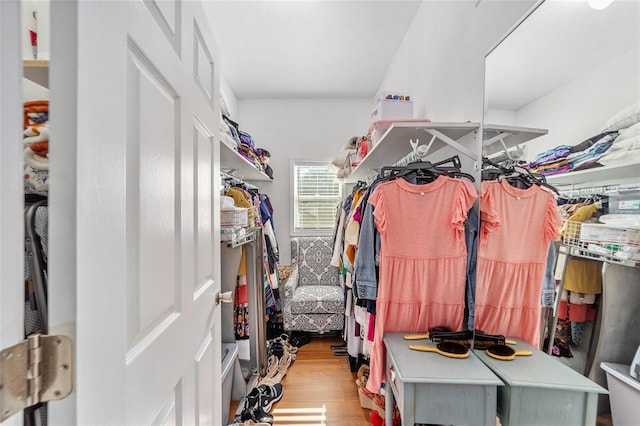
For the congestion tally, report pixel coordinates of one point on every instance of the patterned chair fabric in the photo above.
(313, 257)
(314, 295)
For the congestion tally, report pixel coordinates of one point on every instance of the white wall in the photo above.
(578, 110)
(230, 98)
(298, 129)
(440, 62)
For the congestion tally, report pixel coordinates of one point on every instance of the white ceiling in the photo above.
(560, 40)
(307, 49)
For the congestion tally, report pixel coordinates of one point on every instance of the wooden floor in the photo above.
(319, 389)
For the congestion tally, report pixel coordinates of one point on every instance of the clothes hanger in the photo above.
(428, 170)
(518, 174)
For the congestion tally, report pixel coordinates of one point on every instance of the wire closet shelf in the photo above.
(602, 242)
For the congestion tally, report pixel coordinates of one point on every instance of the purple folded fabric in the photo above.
(555, 155)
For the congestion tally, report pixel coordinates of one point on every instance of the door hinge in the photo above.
(38, 369)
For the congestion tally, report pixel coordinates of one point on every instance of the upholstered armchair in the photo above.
(314, 295)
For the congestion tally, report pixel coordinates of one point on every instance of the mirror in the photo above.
(559, 78)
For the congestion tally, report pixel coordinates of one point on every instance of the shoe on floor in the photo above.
(300, 339)
(256, 415)
(270, 395)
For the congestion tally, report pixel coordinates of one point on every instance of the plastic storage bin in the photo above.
(229, 360)
(626, 203)
(392, 106)
(624, 394)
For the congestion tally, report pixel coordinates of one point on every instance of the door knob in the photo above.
(226, 297)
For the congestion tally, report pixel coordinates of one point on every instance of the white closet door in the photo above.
(139, 89)
(11, 198)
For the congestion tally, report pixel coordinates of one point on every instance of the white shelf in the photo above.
(236, 165)
(394, 144)
(510, 135)
(598, 176)
(35, 63)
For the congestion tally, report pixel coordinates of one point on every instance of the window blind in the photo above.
(316, 195)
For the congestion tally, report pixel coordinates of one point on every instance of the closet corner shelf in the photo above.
(584, 253)
(394, 144)
(241, 167)
(35, 63)
(248, 238)
(512, 136)
(599, 176)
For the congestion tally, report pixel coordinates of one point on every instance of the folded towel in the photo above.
(37, 117)
(35, 161)
(40, 148)
(36, 133)
(39, 106)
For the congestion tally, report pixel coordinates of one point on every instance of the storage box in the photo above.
(628, 203)
(392, 109)
(604, 234)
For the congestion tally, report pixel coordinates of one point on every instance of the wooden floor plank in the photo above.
(319, 380)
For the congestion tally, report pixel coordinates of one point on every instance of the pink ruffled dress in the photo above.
(422, 260)
(517, 226)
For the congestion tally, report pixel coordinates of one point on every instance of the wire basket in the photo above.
(603, 242)
(235, 217)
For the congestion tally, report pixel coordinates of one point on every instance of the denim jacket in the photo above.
(367, 257)
(471, 229)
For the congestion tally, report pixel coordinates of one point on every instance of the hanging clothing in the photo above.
(423, 259)
(241, 300)
(517, 226)
(471, 228)
(583, 276)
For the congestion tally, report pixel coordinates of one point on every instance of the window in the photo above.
(316, 194)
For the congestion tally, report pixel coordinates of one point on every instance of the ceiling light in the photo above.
(599, 4)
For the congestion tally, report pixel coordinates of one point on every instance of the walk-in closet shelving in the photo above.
(499, 138)
(394, 144)
(613, 336)
(252, 352)
(254, 362)
(235, 164)
(598, 176)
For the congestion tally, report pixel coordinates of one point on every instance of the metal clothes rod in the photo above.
(602, 190)
(237, 180)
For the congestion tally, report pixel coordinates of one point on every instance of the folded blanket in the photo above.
(40, 106)
(37, 117)
(34, 160)
(590, 164)
(40, 148)
(588, 143)
(550, 155)
(246, 139)
(36, 133)
(550, 166)
(593, 153)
